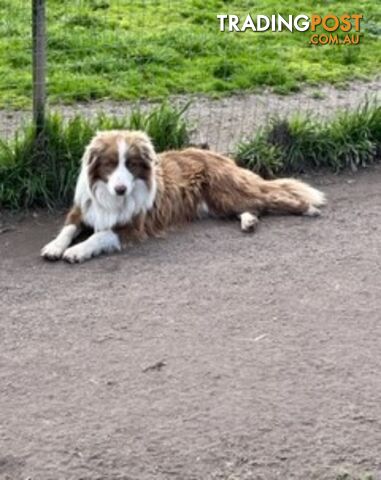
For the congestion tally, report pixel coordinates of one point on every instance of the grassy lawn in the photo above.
(128, 49)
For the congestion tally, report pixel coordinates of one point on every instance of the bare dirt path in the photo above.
(209, 355)
(223, 122)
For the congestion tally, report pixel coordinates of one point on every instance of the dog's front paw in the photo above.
(52, 251)
(76, 254)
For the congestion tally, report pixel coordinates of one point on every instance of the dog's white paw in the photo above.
(248, 222)
(312, 212)
(77, 254)
(53, 250)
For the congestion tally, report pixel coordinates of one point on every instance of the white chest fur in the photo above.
(103, 211)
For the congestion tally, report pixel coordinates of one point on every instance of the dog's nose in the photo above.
(120, 189)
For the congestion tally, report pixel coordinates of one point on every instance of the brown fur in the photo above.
(186, 180)
(190, 177)
(103, 159)
(74, 217)
(103, 156)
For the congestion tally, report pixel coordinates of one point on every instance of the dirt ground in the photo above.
(208, 355)
(223, 122)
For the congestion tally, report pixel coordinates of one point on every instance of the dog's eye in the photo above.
(132, 162)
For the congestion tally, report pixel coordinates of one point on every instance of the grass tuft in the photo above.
(351, 140)
(165, 125)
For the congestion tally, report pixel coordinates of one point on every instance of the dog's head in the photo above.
(119, 160)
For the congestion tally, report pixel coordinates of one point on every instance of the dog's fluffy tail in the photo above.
(302, 191)
(288, 195)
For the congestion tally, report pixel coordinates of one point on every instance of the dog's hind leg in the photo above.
(249, 221)
(55, 249)
(234, 191)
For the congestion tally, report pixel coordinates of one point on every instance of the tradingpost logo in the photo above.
(332, 25)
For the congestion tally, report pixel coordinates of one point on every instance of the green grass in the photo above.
(350, 140)
(41, 170)
(129, 49)
(347, 476)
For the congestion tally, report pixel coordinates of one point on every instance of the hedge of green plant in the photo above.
(40, 171)
(351, 139)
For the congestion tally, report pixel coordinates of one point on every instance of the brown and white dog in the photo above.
(125, 190)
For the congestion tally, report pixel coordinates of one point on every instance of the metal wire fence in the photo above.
(111, 56)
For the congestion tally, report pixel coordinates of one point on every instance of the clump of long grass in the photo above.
(40, 170)
(351, 139)
(165, 125)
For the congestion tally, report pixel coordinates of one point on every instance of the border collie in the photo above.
(125, 190)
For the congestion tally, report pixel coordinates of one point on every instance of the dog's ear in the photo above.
(147, 153)
(90, 161)
(93, 150)
(141, 146)
(92, 156)
(140, 159)
(139, 155)
(142, 149)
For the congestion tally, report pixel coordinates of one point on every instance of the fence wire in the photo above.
(113, 55)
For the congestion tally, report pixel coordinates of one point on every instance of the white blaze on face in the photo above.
(121, 176)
